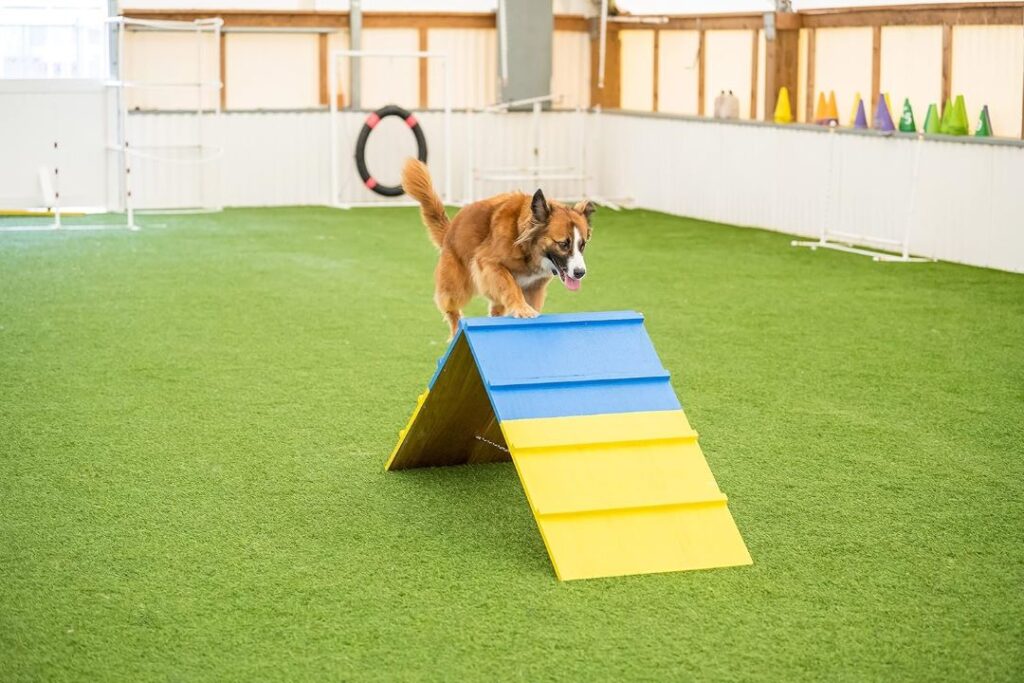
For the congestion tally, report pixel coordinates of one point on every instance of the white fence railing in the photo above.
(969, 206)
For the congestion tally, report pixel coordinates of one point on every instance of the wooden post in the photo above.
(424, 78)
(324, 71)
(809, 108)
(781, 61)
(876, 67)
(947, 64)
(610, 96)
(654, 99)
(753, 75)
(223, 71)
(700, 73)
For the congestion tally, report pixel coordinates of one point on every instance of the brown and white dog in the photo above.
(507, 247)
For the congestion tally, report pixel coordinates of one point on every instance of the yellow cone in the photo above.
(783, 114)
(853, 110)
(888, 103)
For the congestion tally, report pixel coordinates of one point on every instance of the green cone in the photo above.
(984, 124)
(907, 123)
(947, 118)
(931, 120)
(954, 118)
(960, 117)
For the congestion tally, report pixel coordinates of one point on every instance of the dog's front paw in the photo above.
(523, 311)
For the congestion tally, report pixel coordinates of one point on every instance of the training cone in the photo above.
(821, 110)
(948, 125)
(933, 123)
(984, 124)
(783, 113)
(954, 117)
(888, 104)
(960, 116)
(831, 111)
(853, 110)
(947, 114)
(907, 123)
(883, 119)
(860, 117)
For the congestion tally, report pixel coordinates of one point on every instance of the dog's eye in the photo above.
(564, 244)
(582, 246)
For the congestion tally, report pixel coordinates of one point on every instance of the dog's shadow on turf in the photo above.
(467, 514)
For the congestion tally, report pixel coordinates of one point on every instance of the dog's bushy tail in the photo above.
(416, 182)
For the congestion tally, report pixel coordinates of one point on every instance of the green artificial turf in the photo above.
(194, 420)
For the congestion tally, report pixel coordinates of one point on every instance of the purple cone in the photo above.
(883, 120)
(861, 119)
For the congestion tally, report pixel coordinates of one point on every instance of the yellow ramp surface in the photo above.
(624, 493)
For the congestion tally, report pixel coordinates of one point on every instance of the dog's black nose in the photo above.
(579, 273)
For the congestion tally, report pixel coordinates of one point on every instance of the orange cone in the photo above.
(831, 111)
(821, 111)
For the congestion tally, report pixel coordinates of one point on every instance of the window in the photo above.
(53, 39)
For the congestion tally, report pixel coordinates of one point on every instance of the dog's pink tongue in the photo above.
(571, 283)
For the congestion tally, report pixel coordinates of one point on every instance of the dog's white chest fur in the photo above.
(542, 273)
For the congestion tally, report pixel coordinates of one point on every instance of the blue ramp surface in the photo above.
(568, 364)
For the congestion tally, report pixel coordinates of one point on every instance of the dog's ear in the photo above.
(585, 207)
(540, 208)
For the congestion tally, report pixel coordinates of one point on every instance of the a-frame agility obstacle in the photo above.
(583, 407)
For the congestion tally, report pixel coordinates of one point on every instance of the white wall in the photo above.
(678, 71)
(272, 71)
(842, 63)
(570, 68)
(636, 62)
(988, 68)
(283, 158)
(911, 68)
(473, 61)
(727, 67)
(969, 208)
(53, 124)
(171, 57)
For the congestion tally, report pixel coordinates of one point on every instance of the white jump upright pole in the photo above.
(56, 184)
(535, 136)
(468, 192)
(447, 130)
(122, 101)
(832, 238)
(217, 123)
(332, 108)
(199, 106)
(581, 159)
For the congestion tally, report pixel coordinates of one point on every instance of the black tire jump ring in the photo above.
(371, 122)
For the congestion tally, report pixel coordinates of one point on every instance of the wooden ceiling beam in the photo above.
(916, 15)
(303, 19)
